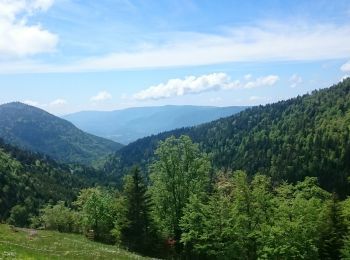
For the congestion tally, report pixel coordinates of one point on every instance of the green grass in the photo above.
(54, 245)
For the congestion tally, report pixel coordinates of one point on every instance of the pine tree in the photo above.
(334, 232)
(139, 234)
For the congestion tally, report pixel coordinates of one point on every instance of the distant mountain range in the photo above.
(130, 124)
(36, 130)
(304, 136)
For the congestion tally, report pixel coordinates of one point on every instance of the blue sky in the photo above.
(71, 55)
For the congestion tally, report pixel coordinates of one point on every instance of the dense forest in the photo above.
(271, 182)
(188, 210)
(36, 130)
(305, 136)
(29, 180)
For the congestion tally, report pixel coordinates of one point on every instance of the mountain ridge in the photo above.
(307, 135)
(127, 125)
(34, 129)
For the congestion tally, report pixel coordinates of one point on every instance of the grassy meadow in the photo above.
(39, 244)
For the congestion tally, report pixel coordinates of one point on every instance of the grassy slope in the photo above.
(54, 245)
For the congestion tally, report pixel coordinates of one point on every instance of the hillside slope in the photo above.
(29, 181)
(305, 136)
(39, 244)
(130, 124)
(36, 130)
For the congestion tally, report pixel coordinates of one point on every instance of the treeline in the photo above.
(29, 180)
(188, 210)
(305, 136)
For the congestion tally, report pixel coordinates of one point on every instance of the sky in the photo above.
(70, 55)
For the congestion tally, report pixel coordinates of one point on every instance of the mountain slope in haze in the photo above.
(305, 136)
(34, 129)
(130, 124)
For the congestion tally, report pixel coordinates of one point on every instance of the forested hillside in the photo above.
(34, 129)
(188, 210)
(128, 125)
(305, 136)
(28, 181)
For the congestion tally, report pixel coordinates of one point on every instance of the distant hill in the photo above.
(305, 136)
(130, 124)
(34, 129)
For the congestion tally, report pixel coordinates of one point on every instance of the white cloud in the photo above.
(346, 67)
(345, 77)
(272, 41)
(101, 96)
(261, 43)
(295, 80)
(58, 102)
(18, 38)
(196, 85)
(263, 81)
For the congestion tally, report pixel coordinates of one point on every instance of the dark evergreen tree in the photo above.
(289, 140)
(139, 234)
(332, 239)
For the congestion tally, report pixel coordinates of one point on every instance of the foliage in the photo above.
(180, 171)
(36, 130)
(98, 212)
(334, 231)
(138, 232)
(61, 218)
(28, 181)
(250, 220)
(345, 251)
(305, 136)
(19, 216)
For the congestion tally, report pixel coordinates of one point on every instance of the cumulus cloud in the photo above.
(58, 102)
(101, 96)
(295, 80)
(263, 81)
(200, 84)
(18, 38)
(346, 67)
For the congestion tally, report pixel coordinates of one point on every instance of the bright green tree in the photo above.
(181, 170)
(59, 217)
(207, 224)
(297, 223)
(98, 212)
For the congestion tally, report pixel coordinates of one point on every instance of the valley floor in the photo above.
(32, 244)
